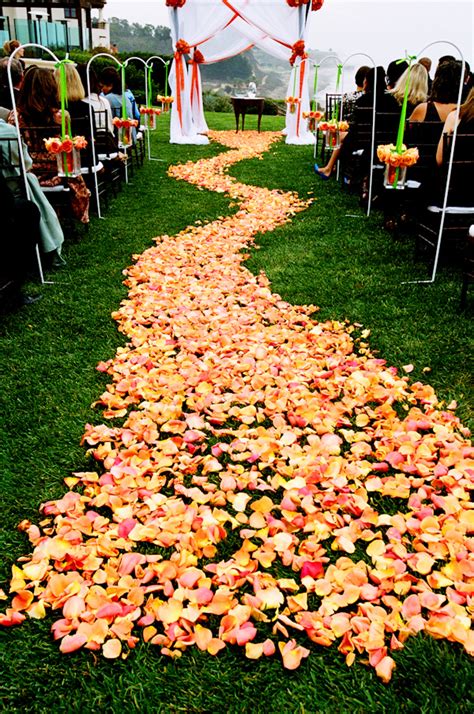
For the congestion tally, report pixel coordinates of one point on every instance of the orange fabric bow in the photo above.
(298, 50)
(182, 47)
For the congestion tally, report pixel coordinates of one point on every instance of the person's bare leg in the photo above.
(328, 169)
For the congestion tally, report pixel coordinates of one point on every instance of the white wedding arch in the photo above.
(207, 31)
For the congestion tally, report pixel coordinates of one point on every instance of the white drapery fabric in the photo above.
(212, 30)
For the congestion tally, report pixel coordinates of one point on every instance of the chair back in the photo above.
(333, 104)
(386, 126)
(105, 143)
(425, 137)
(10, 165)
(461, 192)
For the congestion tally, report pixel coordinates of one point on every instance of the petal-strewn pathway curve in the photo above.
(272, 484)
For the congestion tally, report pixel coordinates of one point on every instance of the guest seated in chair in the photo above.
(38, 108)
(100, 105)
(418, 89)
(20, 221)
(16, 71)
(444, 94)
(111, 84)
(463, 151)
(78, 109)
(465, 125)
(51, 234)
(385, 103)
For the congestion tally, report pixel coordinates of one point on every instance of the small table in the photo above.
(241, 104)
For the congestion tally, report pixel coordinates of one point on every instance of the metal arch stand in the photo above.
(317, 65)
(374, 112)
(20, 145)
(145, 64)
(149, 62)
(450, 165)
(91, 120)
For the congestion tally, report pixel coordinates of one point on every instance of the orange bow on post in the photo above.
(182, 48)
(197, 59)
(298, 50)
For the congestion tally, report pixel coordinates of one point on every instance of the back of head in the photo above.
(418, 89)
(75, 88)
(82, 72)
(445, 58)
(426, 63)
(394, 71)
(110, 77)
(360, 75)
(445, 89)
(16, 70)
(10, 46)
(377, 77)
(39, 96)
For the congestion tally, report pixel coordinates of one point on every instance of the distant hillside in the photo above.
(140, 38)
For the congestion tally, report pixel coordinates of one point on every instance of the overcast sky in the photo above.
(383, 29)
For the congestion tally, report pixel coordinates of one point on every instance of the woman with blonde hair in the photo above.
(74, 87)
(10, 46)
(418, 90)
(78, 109)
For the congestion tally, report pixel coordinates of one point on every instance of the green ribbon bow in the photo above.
(401, 127)
(124, 101)
(335, 111)
(166, 77)
(315, 85)
(149, 84)
(61, 65)
(403, 114)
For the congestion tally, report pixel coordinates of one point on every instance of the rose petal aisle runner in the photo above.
(273, 485)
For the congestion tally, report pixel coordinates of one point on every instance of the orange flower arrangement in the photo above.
(334, 126)
(313, 118)
(164, 100)
(292, 103)
(124, 123)
(388, 154)
(317, 115)
(56, 145)
(150, 110)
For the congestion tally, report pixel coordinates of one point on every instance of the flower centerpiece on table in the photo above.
(67, 150)
(292, 103)
(396, 161)
(124, 126)
(313, 117)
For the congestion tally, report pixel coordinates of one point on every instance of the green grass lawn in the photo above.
(330, 255)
